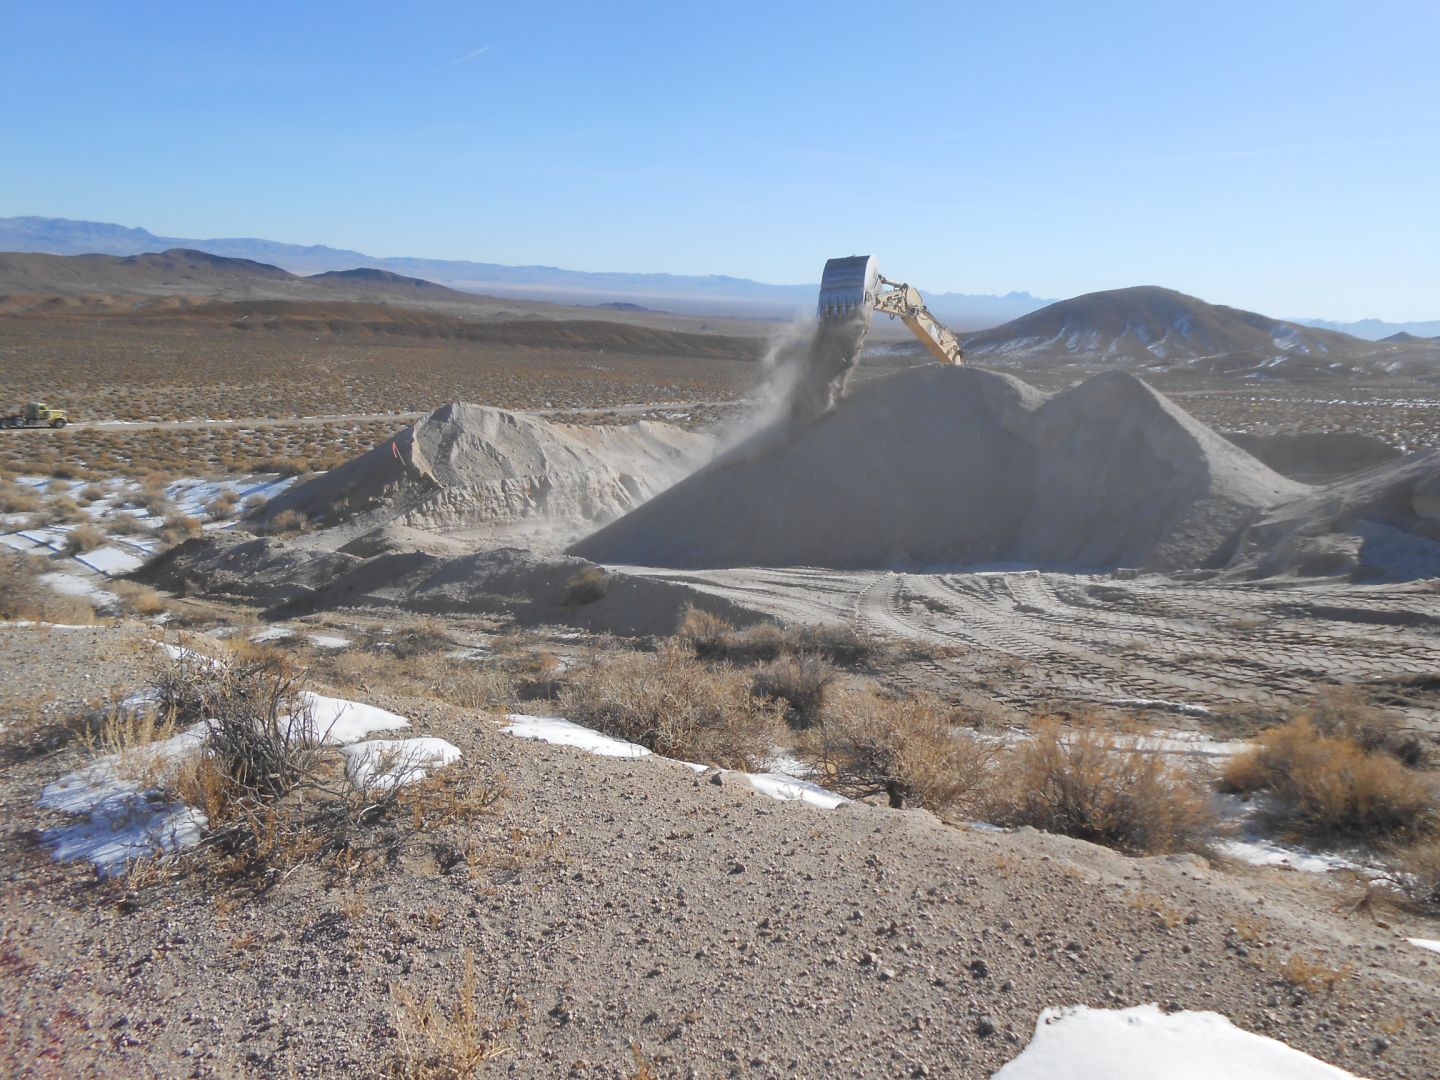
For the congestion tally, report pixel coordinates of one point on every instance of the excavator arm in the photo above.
(852, 287)
(904, 302)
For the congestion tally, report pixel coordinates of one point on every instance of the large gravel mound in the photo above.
(941, 466)
(468, 466)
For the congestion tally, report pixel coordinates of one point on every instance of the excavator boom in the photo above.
(904, 302)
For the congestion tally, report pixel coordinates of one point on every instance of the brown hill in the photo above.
(1154, 328)
(197, 274)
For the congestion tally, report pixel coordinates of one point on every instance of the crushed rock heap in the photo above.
(952, 466)
(474, 467)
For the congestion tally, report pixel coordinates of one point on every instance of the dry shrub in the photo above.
(1343, 712)
(84, 538)
(179, 527)
(24, 596)
(462, 682)
(288, 523)
(444, 1041)
(585, 586)
(124, 524)
(1080, 782)
(1328, 786)
(222, 506)
(912, 748)
(417, 635)
(18, 498)
(1415, 870)
(60, 508)
(671, 703)
(713, 638)
(798, 682)
(137, 599)
(92, 493)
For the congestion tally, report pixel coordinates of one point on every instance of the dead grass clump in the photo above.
(24, 596)
(1081, 782)
(1415, 871)
(1313, 977)
(418, 635)
(124, 524)
(441, 1040)
(60, 509)
(222, 506)
(84, 538)
(137, 599)
(288, 523)
(913, 748)
(671, 703)
(713, 638)
(1328, 786)
(585, 586)
(18, 498)
(800, 683)
(179, 527)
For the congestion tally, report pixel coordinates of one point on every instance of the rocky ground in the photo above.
(632, 918)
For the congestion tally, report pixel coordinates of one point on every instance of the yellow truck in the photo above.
(36, 414)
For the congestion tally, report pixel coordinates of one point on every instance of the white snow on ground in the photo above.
(70, 585)
(1180, 707)
(551, 729)
(330, 641)
(338, 721)
(1248, 844)
(382, 764)
(1144, 1043)
(273, 633)
(1424, 943)
(181, 652)
(1183, 743)
(109, 561)
(123, 819)
(1261, 852)
(788, 789)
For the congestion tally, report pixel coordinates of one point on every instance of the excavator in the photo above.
(851, 288)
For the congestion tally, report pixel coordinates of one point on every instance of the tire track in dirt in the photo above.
(1028, 636)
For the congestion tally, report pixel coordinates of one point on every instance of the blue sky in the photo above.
(1274, 155)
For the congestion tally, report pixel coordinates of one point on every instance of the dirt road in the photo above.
(1035, 636)
(399, 419)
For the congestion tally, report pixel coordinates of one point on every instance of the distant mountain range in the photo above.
(711, 295)
(1377, 329)
(1152, 328)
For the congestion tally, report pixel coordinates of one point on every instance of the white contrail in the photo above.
(467, 56)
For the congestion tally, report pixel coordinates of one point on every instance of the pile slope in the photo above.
(470, 466)
(947, 466)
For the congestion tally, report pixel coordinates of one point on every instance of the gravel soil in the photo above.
(625, 915)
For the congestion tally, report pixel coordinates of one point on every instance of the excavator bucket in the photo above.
(848, 288)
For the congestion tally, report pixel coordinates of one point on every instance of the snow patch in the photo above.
(1424, 943)
(551, 729)
(109, 561)
(784, 788)
(383, 764)
(338, 720)
(123, 818)
(1080, 1043)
